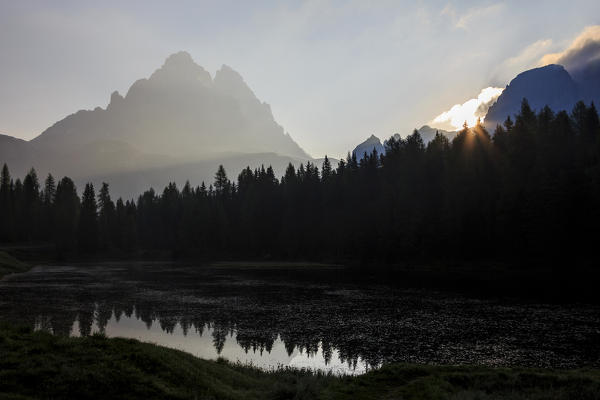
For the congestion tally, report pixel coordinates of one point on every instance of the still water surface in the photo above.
(297, 316)
(205, 343)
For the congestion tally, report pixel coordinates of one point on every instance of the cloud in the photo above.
(469, 111)
(464, 20)
(526, 59)
(583, 50)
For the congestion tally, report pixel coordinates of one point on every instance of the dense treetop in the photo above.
(530, 189)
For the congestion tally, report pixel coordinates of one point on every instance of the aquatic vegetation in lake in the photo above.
(317, 318)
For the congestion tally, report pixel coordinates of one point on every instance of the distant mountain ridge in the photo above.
(177, 118)
(184, 121)
(374, 143)
(180, 111)
(428, 133)
(551, 85)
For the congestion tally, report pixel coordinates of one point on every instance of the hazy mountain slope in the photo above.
(428, 133)
(177, 118)
(180, 112)
(14, 151)
(132, 183)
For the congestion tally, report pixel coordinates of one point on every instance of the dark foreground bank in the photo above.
(40, 365)
(10, 265)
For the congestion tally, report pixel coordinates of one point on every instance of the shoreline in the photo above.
(10, 265)
(38, 363)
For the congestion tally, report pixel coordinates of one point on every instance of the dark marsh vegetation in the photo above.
(279, 311)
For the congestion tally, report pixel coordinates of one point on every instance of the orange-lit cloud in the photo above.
(468, 111)
(583, 50)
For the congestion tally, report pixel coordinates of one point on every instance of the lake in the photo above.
(295, 315)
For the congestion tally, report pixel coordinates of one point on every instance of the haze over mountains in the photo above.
(179, 124)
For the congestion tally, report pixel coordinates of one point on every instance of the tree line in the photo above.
(530, 190)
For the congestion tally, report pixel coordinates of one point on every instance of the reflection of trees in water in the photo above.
(373, 326)
(104, 312)
(251, 337)
(219, 335)
(168, 324)
(249, 340)
(59, 324)
(144, 314)
(86, 319)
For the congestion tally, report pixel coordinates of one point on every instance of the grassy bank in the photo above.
(10, 265)
(39, 365)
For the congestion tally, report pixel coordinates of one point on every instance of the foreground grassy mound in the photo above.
(39, 365)
(9, 264)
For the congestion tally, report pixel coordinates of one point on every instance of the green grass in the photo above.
(9, 264)
(466, 382)
(40, 365)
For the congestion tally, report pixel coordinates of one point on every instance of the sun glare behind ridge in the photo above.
(469, 111)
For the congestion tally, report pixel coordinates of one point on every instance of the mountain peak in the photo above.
(550, 85)
(178, 113)
(426, 128)
(179, 58)
(180, 67)
(372, 143)
(546, 70)
(229, 81)
(226, 70)
(115, 100)
(428, 133)
(227, 77)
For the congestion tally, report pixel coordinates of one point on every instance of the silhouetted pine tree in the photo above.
(6, 210)
(88, 221)
(66, 215)
(222, 184)
(31, 206)
(530, 191)
(47, 214)
(326, 169)
(107, 228)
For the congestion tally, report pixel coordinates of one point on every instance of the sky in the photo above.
(334, 72)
